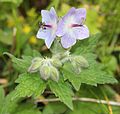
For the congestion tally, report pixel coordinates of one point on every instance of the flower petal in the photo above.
(53, 12)
(45, 16)
(53, 15)
(67, 40)
(43, 33)
(81, 32)
(49, 33)
(60, 28)
(49, 41)
(70, 12)
(49, 16)
(68, 18)
(80, 15)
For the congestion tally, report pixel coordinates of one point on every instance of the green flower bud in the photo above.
(54, 74)
(62, 55)
(78, 62)
(81, 61)
(45, 71)
(76, 67)
(48, 71)
(56, 62)
(36, 63)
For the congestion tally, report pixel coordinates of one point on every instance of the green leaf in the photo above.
(23, 64)
(87, 45)
(20, 65)
(93, 75)
(71, 76)
(89, 108)
(27, 108)
(29, 84)
(62, 91)
(55, 108)
(9, 105)
(92, 108)
(28, 51)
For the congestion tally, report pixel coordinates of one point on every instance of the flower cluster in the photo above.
(70, 27)
(49, 67)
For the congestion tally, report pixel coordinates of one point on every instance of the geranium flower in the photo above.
(71, 27)
(48, 27)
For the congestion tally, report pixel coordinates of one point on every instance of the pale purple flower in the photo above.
(71, 27)
(48, 28)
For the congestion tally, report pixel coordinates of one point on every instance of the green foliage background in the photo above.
(19, 22)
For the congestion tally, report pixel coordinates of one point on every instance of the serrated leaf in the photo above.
(86, 45)
(93, 75)
(29, 84)
(62, 91)
(23, 64)
(71, 76)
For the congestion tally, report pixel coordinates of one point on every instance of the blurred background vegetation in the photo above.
(19, 22)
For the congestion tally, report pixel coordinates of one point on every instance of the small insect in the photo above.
(44, 26)
(41, 25)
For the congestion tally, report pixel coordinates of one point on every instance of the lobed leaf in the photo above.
(62, 91)
(93, 75)
(29, 84)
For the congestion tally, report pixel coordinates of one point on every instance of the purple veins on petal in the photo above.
(71, 27)
(48, 27)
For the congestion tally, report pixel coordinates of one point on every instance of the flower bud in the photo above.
(56, 62)
(36, 63)
(76, 67)
(45, 71)
(54, 74)
(79, 62)
(48, 71)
